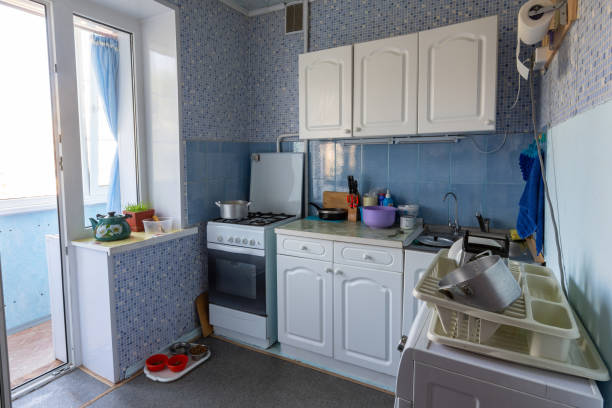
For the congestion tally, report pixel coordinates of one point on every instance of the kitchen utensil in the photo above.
(370, 201)
(110, 227)
(411, 210)
(378, 216)
(330, 213)
(198, 351)
(178, 363)
(352, 200)
(157, 362)
(486, 283)
(482, 222)
(159, 226)
(407, 222)
(180, 348)
(476, 242)
(233, 210)
(335, 199)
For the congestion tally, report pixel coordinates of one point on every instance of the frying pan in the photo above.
(331, 213)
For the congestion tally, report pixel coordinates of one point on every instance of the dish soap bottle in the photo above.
(388, 201)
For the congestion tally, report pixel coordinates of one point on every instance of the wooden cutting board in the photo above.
(335, 199)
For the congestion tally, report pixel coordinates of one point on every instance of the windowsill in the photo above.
(135, 241)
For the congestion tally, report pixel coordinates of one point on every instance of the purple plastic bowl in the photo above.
(378, 216)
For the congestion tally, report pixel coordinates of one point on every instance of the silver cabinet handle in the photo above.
(304, 248)
(358, 129)
(402, 343)
(366, 257)
(347, 131)
(329, 270)
(339, 272)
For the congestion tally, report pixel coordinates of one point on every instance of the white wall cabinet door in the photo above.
(367, 317)
(385, 89)
(458, 77)
(305, 303)
(326, 93)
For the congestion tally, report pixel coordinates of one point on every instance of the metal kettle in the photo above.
(110, 227)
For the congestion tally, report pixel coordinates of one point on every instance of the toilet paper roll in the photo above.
(531, 29)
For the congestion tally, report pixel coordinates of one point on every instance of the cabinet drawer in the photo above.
(304, 247)
(368, 256)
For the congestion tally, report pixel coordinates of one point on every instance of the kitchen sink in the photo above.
(435, 241)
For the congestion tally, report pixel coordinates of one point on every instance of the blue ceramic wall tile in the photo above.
(468, 165)
(502, 166)
(433, 209)
(375, 170)
(434, 162)
(348, 163)
(404, 163)
(501, 204)
(323, 160)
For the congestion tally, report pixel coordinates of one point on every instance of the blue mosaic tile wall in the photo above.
(155, 288)
(580, 76)
(213, 51)
(273, 87)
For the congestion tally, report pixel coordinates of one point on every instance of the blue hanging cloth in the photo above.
(105, 60)
(531, 205)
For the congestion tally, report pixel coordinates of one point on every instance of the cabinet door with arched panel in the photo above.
(305, 303)
(458, 77)
(385, 88)
(367, 317)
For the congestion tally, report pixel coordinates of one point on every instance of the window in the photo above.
(106, 116)
(27, 168)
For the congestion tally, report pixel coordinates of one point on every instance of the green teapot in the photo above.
(110, 227)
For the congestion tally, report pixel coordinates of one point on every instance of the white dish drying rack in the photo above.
(541, 309)
(513, 344)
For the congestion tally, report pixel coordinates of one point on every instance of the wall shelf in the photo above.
(557, 31)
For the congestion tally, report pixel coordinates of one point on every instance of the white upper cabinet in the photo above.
(385, 87)
(457, 77)
(326, 88)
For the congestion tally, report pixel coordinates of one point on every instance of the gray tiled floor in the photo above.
(236, 377)
(71, 390)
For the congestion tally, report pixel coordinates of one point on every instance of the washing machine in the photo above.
(435, 376)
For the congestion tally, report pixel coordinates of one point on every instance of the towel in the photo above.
(531, 205)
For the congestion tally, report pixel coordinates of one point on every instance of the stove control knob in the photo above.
(258, 243)
(237, 239)
(252, 242)
(245, 241)
(220, 238)
(230, 239)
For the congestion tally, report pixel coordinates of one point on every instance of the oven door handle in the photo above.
(236, 250)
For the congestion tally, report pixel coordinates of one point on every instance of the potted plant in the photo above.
(139, 212)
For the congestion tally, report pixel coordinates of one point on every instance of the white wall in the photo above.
(161, 88)
(580, 178)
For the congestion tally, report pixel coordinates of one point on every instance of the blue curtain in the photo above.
(105, 59)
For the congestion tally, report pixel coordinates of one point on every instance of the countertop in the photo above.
(355, 232)
(136, 240)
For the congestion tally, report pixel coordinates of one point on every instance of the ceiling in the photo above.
(256, 7)
(138, 9)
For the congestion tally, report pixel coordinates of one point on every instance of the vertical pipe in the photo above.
(306, 144)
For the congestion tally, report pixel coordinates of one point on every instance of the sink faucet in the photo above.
(454, 226)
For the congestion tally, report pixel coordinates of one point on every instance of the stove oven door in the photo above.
(237, 278)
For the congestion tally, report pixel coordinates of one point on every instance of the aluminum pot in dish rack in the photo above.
(485, 283)
(233, 210)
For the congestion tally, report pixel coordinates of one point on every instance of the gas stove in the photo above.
(256, 219)
(242, 253)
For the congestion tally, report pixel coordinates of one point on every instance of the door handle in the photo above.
(304, 248)
(366, 257)
(339, 272)
(329, 270)
(402, 343)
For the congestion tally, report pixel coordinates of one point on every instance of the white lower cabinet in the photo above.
(367, 317)
(305, 303)
(348, 313)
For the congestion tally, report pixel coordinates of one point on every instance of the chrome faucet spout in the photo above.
(454, 225)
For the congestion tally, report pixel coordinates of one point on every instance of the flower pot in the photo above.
(137, 218)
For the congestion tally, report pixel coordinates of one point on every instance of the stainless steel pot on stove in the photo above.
(233, 210)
